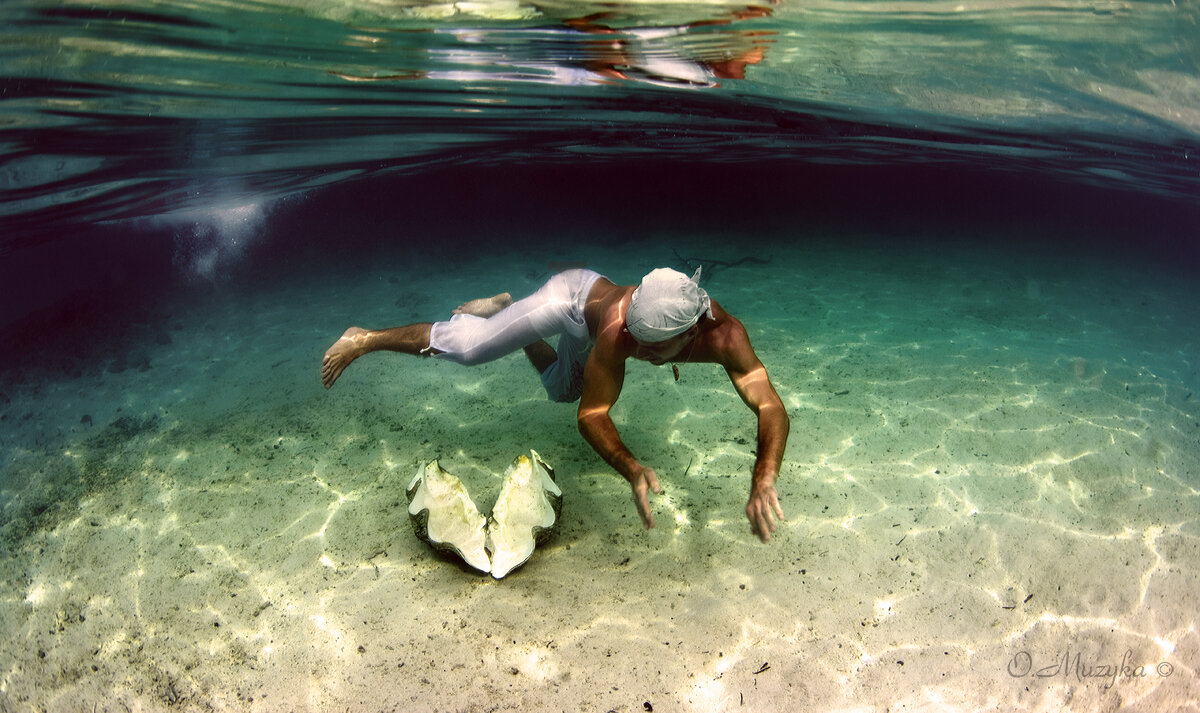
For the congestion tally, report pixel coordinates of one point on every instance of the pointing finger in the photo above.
(643, 506)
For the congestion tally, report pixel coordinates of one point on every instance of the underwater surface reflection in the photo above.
(117, 110)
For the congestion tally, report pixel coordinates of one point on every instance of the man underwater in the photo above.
(666, 318)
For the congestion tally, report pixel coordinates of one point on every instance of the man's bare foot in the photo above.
(485, 306)
(345, 350)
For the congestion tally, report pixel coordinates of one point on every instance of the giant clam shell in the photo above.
(525, 514)
(444, 516)
(529, 506)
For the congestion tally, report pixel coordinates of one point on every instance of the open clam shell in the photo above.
(525, 514)
(444, 516)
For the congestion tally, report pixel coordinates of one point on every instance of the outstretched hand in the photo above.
(642, 481)
(762, 510)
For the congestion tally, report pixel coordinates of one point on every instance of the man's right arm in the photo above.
(603, 377)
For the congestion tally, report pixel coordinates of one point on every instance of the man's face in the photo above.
(659, 353)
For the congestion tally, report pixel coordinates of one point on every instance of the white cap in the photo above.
(667, 303)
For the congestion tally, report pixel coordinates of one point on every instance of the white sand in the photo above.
(984, 478)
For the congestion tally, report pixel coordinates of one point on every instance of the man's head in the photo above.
(666, 304)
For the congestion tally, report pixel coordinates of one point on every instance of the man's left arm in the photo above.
(749, 377)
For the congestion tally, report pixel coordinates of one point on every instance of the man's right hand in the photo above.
(643, 480)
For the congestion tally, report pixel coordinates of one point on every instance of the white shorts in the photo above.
(556, 308)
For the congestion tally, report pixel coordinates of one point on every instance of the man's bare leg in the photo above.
(409, 339)
(540, 354)
(485, 306)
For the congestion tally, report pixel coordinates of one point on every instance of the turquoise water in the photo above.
(962, 238)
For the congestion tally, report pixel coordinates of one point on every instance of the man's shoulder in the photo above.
(723, 320)
(603, 304)
(726, 336)
(606, 320)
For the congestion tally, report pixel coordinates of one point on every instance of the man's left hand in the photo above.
(762, 510)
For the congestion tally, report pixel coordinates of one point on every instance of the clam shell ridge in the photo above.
(445, 517)
(525, 514)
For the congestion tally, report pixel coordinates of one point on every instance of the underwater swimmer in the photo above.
(666, 318)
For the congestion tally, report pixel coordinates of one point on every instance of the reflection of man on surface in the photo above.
(653, 54)
(667, 318)
(584, 50)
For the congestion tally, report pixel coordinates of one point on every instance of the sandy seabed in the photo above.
(991, 490)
